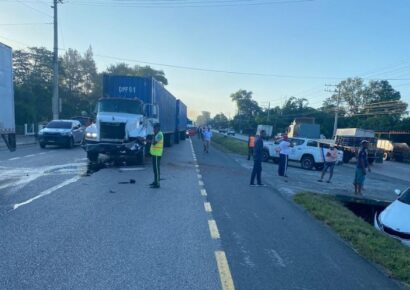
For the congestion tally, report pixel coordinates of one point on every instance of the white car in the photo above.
(394, 220)
(309, 152)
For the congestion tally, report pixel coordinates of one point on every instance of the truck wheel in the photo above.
(42, 145)
(92, 156)
(307, 162)
(319, 166)
(265, 156)
(346, 157)
(386, 156)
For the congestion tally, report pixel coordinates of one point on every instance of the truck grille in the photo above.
(112, 131)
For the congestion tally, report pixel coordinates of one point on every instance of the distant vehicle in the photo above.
(62, 133)
(223, 131)
(394, 219)
(230, 132)
(7, 121)
(268, 129)
(397, 151)
(191, 131)
(309, 152)
(349, 140)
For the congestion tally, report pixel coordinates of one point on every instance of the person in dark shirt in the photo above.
(362, 165)
(257, 160)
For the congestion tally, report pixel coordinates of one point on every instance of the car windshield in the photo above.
(59, 125)
(405, 196)
(120, 106)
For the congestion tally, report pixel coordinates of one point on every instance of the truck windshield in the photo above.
(120, 106)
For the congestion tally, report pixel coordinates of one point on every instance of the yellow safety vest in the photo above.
(158, 148)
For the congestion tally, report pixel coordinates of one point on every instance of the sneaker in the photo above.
(328, 181)
(320, 180)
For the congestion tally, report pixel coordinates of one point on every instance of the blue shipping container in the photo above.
(147, 90)
(182, 119)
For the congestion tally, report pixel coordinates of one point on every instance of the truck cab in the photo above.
(120, 130)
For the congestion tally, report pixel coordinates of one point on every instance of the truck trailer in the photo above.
(126, 114)
(7, 120)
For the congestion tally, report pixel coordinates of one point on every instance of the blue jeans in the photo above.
(256, 171)
(330, 166)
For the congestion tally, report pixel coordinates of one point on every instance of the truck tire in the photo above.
(307, 162)
(265, 155)
(346, 157)
(386, 156)
(92, 156)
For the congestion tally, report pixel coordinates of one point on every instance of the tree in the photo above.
(220, 121)
(141, 71)
(203, 119)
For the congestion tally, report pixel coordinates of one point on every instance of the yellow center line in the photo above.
(224, 272)
(213, 229)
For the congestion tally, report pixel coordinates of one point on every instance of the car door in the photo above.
(77, 132)
(296, 151)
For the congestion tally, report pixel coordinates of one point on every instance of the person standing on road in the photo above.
(207, 139)
(330, 162)
(156, 150)
(362, 165)
(257, 160)
(199, 131)
(284, 150)
(251, 145)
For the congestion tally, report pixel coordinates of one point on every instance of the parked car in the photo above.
(394, 219)
(62, 133)
(309, 152)
(230, 132)
(222, 130)
(191, 131)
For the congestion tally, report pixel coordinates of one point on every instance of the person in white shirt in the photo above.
(284, 150)
(330, 162)
(207, 139)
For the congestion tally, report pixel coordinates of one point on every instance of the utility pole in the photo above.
(337, 90)
(55, 100)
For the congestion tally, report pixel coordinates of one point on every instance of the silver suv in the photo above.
(62, 133)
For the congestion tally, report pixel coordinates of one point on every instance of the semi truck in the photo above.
(349, 140)
(126, 113)
(7, 120)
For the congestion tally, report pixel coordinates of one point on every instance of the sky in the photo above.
(278, 48)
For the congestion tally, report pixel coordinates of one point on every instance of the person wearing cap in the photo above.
(362, 165)
(156, 150)
(330, 162)
(284, 150)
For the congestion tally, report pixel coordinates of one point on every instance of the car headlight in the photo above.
(91, 135)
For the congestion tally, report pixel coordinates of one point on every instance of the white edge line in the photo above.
(47, 191)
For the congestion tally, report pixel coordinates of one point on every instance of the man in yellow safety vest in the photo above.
(157, 147)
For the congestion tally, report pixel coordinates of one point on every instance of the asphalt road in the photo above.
(68, 225)
(273, 244)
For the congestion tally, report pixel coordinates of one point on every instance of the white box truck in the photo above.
(7, 121)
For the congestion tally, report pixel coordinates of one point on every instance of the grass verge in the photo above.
(230, 144)
(366, 240)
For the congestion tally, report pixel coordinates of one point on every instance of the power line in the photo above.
(21, 24)
(33, 8)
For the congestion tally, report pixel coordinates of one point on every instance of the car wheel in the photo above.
(70, 143)
(42, 145)
(92, 156)
(307, 162)
(265, 156)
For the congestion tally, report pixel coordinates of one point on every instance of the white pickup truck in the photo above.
(309, 152)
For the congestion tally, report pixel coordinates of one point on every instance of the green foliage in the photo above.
(220, 121)
(230, 144)
(141, 71)
(204, 119)
(367, 241)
